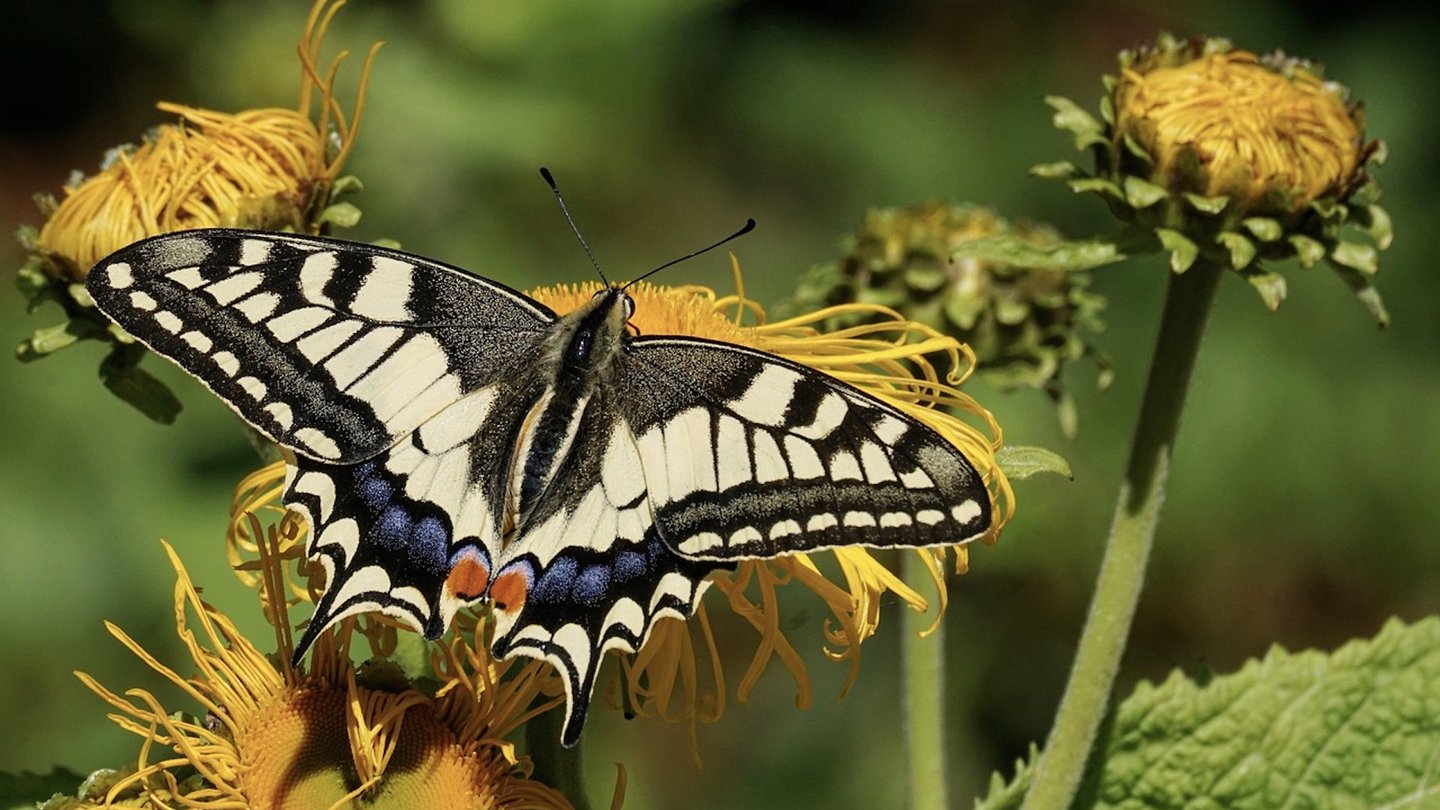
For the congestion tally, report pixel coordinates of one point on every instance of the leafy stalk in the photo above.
(555, 765)
(923, 680)
(1122, 572)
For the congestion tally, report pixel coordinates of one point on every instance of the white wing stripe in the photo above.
(765, 401)
(233, 287)
(385, 293)
(359, 358)
(315, 273)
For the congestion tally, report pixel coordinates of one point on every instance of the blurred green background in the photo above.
(1302, 509)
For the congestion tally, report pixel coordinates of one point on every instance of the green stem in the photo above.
(923, 663)
(1122, 572)
(555, 765)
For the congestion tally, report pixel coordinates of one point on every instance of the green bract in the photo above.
(1017, 293)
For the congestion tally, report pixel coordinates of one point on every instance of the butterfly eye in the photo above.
(599, 294)
(629, 306)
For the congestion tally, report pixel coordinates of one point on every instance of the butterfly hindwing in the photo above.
(414, 531)
(749, 455)
(588, 573)
(333, 349)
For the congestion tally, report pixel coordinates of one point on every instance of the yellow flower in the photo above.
(1265, 139)
(1235, 158)
(263, 168)
(275, 737)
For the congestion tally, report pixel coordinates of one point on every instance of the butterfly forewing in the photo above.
(332, 349)
(750, 455)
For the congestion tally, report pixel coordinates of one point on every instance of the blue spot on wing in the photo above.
(591, 585)
(554, 585)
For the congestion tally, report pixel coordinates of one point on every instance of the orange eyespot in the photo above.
(468, 579)
(508, 592)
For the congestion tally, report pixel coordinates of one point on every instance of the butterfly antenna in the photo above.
(550, 179)
(748, 227)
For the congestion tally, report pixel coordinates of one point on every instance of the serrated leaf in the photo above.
(343, 214)
(1142, 193)
(1010, 795)
(1183, 252)
(1358, 728)
(1022, 461)
(1012, 250)
(140, 389)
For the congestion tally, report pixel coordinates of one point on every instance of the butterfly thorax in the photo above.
(577, 357)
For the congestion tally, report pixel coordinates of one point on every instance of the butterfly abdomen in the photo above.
(580, 352)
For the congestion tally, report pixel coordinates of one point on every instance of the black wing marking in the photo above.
(589, 565)
(333, 349)
(750, 455)
(414, 532)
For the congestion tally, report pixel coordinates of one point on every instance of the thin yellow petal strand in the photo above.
(1254, 129)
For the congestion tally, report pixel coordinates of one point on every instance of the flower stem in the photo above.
(1122, 571)
(923, 663)
(555, 765)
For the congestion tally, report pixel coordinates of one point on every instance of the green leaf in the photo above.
(1021, 461)
(1183, 252)
(1208, 205)
(25, 789)
(54, 338)
(349, 184)
(1012, 250)
(1360, 284)
(1142, 193)
(1357, 257)
(1099, 185)
(1266, 229)
(1356, 728)
(1242, 250)
(35, 285)
(138, 388)
(1378, 226)
(342, 214)
(1059, 170)
(1307, 250)
(1271, 287)
(1073, 118)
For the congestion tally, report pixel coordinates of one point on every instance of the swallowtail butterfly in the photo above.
(455, 441)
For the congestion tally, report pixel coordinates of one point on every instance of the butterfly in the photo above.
(455, 442)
